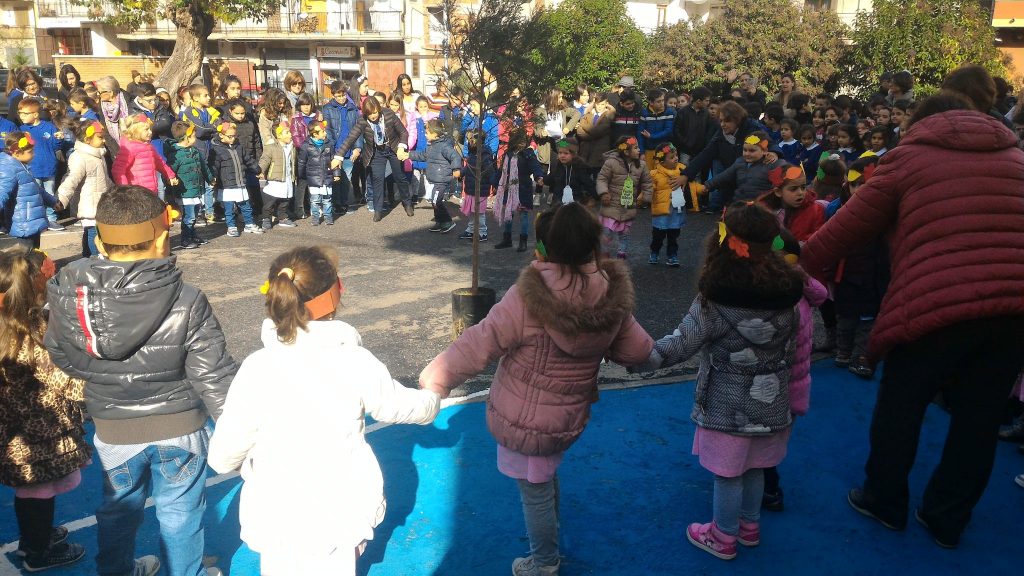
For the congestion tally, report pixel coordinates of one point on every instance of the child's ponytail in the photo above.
(295, 278)
(23, 276)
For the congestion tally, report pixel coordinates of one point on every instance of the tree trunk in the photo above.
(186, 61)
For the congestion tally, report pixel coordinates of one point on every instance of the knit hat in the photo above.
(626, 82)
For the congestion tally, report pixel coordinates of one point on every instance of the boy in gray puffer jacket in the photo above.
(156, 368)
(444, 168)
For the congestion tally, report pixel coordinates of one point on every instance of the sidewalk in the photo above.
(629, 488)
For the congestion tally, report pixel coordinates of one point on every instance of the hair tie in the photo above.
(287, 272)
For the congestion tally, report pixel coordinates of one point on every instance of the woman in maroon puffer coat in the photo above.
(950, 201)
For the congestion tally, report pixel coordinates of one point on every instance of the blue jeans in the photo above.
(208, 198)
(89, 242)
(47, 184)
(229, 212)
(342, 189)
(188, 223)
(321, 203)
(177, 480)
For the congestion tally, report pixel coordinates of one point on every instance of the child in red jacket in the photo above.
(137, 161)
(796, 206)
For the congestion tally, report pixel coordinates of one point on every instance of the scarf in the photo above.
(506, 202)
(113, 113)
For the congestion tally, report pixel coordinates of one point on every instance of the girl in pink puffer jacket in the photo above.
(566, 312)
(137, 162)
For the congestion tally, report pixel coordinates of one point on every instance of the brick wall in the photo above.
(120, 67)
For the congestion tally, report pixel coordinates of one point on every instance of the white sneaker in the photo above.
(233, 232)
(213, 571)
(526, 567)
(253, 229)
(1019, 480)
(146, 566)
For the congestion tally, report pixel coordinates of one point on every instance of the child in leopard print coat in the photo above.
(42, 439)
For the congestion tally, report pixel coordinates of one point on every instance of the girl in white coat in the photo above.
(293, 423)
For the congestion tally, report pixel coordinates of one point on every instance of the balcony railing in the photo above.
(62, 9)
(328, 24)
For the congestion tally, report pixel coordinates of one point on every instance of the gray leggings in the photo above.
(738, 499)
(540, 509)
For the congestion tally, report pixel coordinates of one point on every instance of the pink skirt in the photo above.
(730, 456)
(52, 488)
(616, 225)
(467, 204)
(534, 469)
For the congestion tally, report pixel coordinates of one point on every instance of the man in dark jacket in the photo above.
(694, 125)
(341, 115)
(156, 368)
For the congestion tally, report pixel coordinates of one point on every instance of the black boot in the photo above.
(522, 243)
(506, 241)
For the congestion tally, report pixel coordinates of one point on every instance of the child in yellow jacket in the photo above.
(668, 205)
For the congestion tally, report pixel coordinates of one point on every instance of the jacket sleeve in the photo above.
(303, 160)
(478, 346)
(386, 400)
(208, 364)
(122, 165)
(72, 182)
(535, 167)
(235, 434)
(572, 119)
(632, 345)
(865, 216)
(250, 162)
(703, 160)
(403, 134)
(687, 339)
(266, 161)
(354, 134)
(211, 163)
(679, 129)
(662, 135)
(727, 176)
(604, 178)
(8, 183)
(162, 166)
(417, 155)
(646, 182)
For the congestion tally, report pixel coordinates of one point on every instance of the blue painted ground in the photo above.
(629, 488)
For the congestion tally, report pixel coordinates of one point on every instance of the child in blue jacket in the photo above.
(23, 200)
(48, 141)
(443, 166)
(657, 122)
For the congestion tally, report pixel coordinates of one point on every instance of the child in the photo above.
(569, 178)
(830, 177)
(668, 205)
(749, 173)
(848, 144)
(859, 284)
(878, 141)
(149, 401)
(229, 163)
(621, 177)
(317, 167)
(810, 151)
(567, 311)
(22, 198)
(335, 513)
(790, 146)
(87, 180)
(83, 106)
(800, 377)
(48, 141)
(194, 175)
(488, 177)
(418, 142)
(198, 111)
(137, 162)
(278, 164)
(42, 441)
(305, 114)
(249, 138)
(519, 170)
(796, 207)
(443, 167)
(656, 124)
(743, 322)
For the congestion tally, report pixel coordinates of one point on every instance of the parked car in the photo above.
(49, 75)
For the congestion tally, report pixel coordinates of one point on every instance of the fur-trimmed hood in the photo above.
(577, 310)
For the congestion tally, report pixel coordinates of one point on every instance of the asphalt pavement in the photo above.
(399, 277)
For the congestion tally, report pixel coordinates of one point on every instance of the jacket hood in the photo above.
(961, 130)
(83, 148)
(118, 305)
(232, 146)
(577, 315)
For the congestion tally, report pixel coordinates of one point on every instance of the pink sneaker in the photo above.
(750, 534)
(709, 538)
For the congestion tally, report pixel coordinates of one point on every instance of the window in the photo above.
(71, 41)
(662, 15)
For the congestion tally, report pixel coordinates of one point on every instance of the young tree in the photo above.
(930, 38)
(592, 42)
(194, 20)
(766, 38)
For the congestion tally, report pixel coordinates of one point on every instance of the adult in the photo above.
(901, 89)
(884, 81)
(29, 85)
(787, 89)
(382, 136)
(132, 90)
(403, 87)
(594, 133)
(1004, 95)
(68, 78)
(748, 87)
(979, 88)
(624, 83)
(113, 105)
(294, 84)
(694, 125)
(723, 149)
(953, 317)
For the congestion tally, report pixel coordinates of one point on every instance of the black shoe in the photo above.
(410, 209)
(865, 504)
(447, 227)
(377, 216)
(57, 535)
(861, 368)
(1014, 432)
(57, 555)
(506, 242)
(435, 228)
(522, 243)
(467, 235)
(943, 540)
(773, 501)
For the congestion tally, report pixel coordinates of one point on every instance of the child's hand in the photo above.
(355, 154)
(58, 207)
(335, 164)
(59, 135)
(606, 200)
(681, 181)
(645, 134)
(771, 158)
(457, 174)
(337, 178)
(174, 181)
(260, 176)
